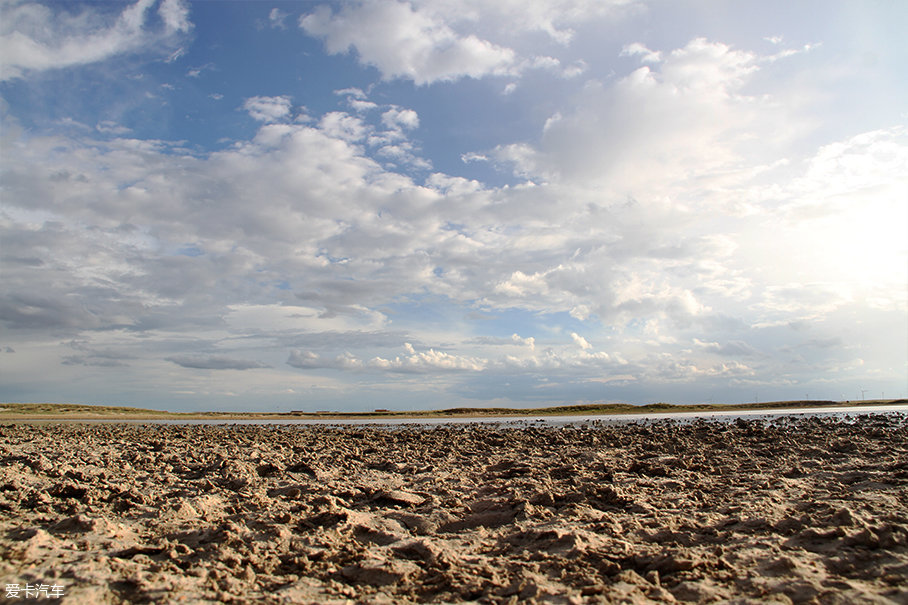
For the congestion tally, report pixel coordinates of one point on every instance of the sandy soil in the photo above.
(797, 510)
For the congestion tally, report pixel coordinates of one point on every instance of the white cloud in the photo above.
(519, 284)
(851, 192)
(35, 38)
(403, 42)
(356, 93)
(304, 360)
(175, 55)
(580, 341)
(449, 185)
(551, 121)
(685, 370)
(277, 17)
(549, 63)
(310, 361)
(646, 55)
(344, 126)
(268, 109)
(396, 118)
(109, 127)
(428, 361)
(733, 348)
(509, 18)
(581, 312)
(361, 106)
(677, 117)
(413, 362)
(436, 40)
(195, 72)
(175, 15)
(523, 358)
(577, 68)
(527, 342)
(472, 156)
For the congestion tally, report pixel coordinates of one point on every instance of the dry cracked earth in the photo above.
(797, 510)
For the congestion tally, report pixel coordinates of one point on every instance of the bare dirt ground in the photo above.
(802, 510)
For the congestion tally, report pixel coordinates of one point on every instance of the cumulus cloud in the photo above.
(309, 360)
(361, 106)
(646, 55)
(412, 362)
(580, 341)
(581, 312)
(305, 360)
(527, 342)
(400, 118)
(688, 370)
(316, 215)
(428, 361)
(433, 40)
(404, 42)
(268, 109)
(175, 15)
(519, 358)
(35, 38)
(357, 99)
(680, 114)
(519, 284)
(577, 68)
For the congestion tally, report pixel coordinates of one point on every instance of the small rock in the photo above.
(267, 470)
(379, 573)
(396, 497)
(844, 516)
(303, 468)
(418, 524)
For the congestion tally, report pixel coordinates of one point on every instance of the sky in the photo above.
(423, 204)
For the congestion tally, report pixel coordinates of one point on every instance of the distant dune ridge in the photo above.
(798, 509)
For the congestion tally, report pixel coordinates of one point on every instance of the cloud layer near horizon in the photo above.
(676, 226)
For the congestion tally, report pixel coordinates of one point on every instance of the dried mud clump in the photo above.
(801, 510)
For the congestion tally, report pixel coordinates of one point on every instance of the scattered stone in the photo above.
(379, 573)
(396, 497)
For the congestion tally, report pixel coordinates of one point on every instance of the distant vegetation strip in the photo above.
(75, 411)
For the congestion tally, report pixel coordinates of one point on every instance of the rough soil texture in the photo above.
(798, 510)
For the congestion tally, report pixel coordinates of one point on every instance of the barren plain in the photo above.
(793, 510)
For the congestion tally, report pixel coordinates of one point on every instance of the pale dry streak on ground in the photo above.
(804, 511)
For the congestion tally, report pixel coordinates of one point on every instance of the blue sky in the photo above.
(388, 204)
